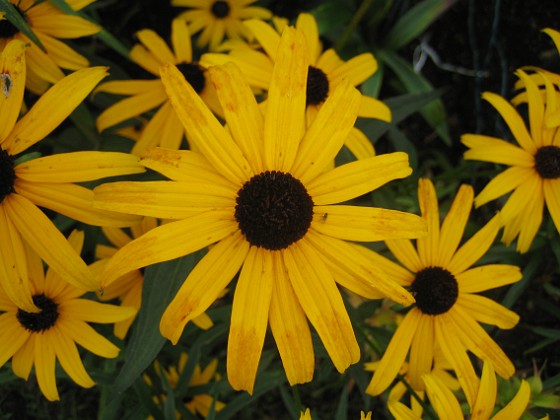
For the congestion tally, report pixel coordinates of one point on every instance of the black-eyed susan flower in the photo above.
(219, 18)
(128, 288)
(258, 191)
(49, 24)
(38, 339)
(196, 403)
(448, 309)
(533, 176)
(326, 71)
(447, 407)
(28, 183)
(164, 128)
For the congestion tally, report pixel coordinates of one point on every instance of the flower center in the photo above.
(7, 29)
(435, 290)
(41, 321)
(273, 210)
(220, 9)
(7, 174)
(194, 75)
(317, 86)
(547, 162)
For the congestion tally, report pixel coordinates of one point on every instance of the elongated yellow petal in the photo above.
(284, 122)
(517, 406)
(203, 129)
(444, 402)
(91, 311)
(421, 356)
(290, 327)
(69, 358)
(156, 46)
(486, 398)
(366, 224)
(486, 277)
(358, 143)
(204, 284)
(40, 233)
(327, 133)
(45, 360)
(395, 353)
(322, 303)
(265, 35)
(181, 41)
(255, 66)
(169, 241)
(307, 24)
(535, 107)
(492, 149)
(487, 311)
(401, 411)
(242, 113)
(551, 191)
(374, 108)
(12, 83)
(40, 64)
(405, 252)
(87, 337)
(78, 167)
(129, 87)
(428, 246)
(53, 107)
(356, 178)
(73, 201)
(64, 56)
(13, 336)
(63, 25)
(164, 129)
(356, 70)
(23, 359)
(249, 318)
(145, 59)
(503, 183)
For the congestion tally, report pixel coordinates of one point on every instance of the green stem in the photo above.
(352, 24)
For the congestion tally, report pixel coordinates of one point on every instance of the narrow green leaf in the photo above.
(415, 21)
(16, 19)
(342, 408)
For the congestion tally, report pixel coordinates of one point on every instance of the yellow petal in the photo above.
(13, 337)
(265, 35)
(421, 352)
(479, 279)
(358, 143)
(69, 358)
(91, 311)
(428, 246)
(45, 360)
(156, 46)
(487, 311)
(486, 398)
(517, 406)
(444, 402)
(181, 41)
(307, 24)
(204, 284)
(164, 129)
(284, 122)
(551, 191)
(53, 107)
(63, 25)
(84, 335)
(356, 70)
(249, 318)
(492, 149)
(503, 183)
(405, 252)
(401, 411)
(374, 108)
(535, 107)
(23, 359)
(64, 56)
(12, 83)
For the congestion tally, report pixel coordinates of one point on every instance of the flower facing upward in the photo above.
(534, 164)
(259, 192)
(326, 71)
(49, 24)
(38, 339)
(29, 183)
(164, 128)
(217, 18)
(447, 309)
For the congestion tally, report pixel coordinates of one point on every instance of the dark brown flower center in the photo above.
(547, 162)
(7, 29)
(40, 321)
(7, 174)
(435, 290)
(317, 86)
(194, 75)
(273, 210)
(220, 9)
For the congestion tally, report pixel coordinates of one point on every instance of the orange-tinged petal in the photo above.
(395, 353)
(12, 83)
(204, 284)
(290, 327)
(249, 318)
(284, 122)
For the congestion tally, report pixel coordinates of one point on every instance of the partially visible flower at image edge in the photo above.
(219, 18)
(262, 196)
(39, 339)
(448, 309)
(533, 176)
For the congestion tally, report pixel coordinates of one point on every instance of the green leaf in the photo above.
(415, 21)
(12, 14)
(161, 282)
(342, 408)
(434, 112)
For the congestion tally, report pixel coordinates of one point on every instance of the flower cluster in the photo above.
(234, 184)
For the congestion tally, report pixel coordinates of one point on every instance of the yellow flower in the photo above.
(259, 192)
(326, 72)
(447, 406)
(306, 415)
(447, 309)
(164, 128)
(39, 339)
(217, 18)
(128, 288)
(533, 176)
(27, 184)
(49, 24)
(199, 403)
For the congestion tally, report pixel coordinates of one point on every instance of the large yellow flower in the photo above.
(217, 18)
(447, 310)
(534, 164)
(326, 72)
(164, 128)
(49, 24)
(29, 183)
(39, 339)
(259, 192)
